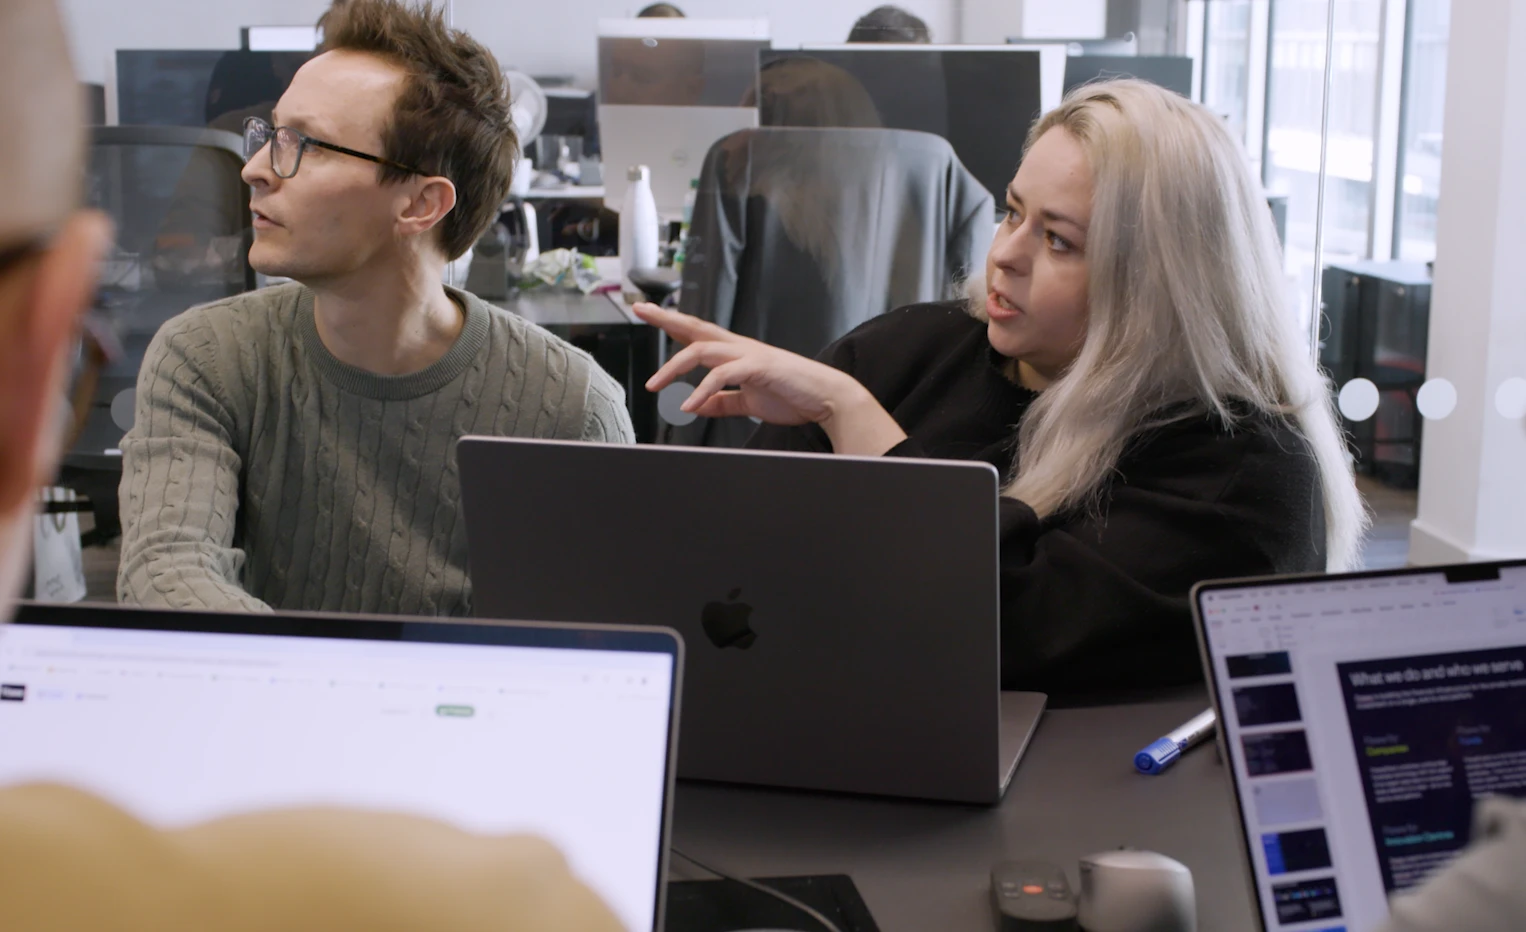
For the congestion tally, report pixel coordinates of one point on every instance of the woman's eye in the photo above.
(1057, 242)
(1011, 216)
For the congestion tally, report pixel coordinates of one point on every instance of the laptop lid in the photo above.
(1361, 716)
(840, 613)
(495, 728)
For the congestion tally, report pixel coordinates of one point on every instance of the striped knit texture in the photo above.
(264, 473)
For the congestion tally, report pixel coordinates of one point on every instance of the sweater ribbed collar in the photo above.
(397, 387)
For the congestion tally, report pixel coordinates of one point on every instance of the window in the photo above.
(1419, 175)
(1295, 99)
(1226, 63)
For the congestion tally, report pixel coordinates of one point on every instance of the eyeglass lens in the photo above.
(286, 148)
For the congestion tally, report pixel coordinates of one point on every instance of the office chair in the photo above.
(183, 231)
(800, 235)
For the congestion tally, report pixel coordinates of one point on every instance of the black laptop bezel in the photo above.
(407, 629)
(1455, 574)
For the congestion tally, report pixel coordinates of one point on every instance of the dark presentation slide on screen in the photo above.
(1276, 752)
(1431, 735)
(1266, 705)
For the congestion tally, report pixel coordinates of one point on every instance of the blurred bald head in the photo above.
(41, 111)
(44, 290)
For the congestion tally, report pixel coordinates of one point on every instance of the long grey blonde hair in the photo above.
(1187, 303)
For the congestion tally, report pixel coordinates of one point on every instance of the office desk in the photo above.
(926, 866)
(575, 192)
(570, 309)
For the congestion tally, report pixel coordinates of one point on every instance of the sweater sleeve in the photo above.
(1096, 599)
(606, 419)
(1480, 891)
(180, 482)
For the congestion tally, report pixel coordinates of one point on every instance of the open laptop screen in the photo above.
(556, 730)
(1362, 716)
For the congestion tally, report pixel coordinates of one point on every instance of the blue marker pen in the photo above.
(1163, 753)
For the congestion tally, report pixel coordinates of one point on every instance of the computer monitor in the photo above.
(1174, 73)
(563, 731)
(668, 90)
(573, 112)
(981, 99)
(201, 87)
(1360, 717)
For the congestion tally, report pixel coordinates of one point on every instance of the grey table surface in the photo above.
(565, 309)
(926, 866)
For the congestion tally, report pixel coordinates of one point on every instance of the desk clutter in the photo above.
(1121, 891)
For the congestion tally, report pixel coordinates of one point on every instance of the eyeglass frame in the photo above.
(303, 142)
(98, 347)
(12, 257)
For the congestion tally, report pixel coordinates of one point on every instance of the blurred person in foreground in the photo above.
(71, 861)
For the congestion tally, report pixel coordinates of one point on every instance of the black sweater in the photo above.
(1091, 603)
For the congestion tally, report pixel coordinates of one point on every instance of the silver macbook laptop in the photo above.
(840, 613)
(182, 717)
(1362, 715)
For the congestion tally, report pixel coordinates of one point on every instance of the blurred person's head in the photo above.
(48, 254)
(890, 24)
(660, 11)
(810, 92)
(391, 81)
(1137, 280)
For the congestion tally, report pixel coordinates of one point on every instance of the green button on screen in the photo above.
(455, 711)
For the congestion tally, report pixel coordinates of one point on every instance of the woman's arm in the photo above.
(1097, 599)
(749, 378)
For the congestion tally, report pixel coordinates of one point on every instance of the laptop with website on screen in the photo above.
(564, 731)
(834, 643)
(1362, 715)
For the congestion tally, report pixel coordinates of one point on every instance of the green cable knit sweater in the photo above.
(263, 473)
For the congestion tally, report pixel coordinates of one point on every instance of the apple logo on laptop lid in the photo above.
(727, 624)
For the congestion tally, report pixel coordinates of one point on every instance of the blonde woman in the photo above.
(1129, 365)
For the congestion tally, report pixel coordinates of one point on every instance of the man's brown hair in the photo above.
(452, 115)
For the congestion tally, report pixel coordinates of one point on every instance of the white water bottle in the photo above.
(638, 223)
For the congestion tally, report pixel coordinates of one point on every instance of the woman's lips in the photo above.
(999, 308)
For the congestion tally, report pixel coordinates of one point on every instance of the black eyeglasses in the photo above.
(287, 146)
(13, 256)
(98, 344)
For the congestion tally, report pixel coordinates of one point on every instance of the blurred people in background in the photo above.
(810, 92)
(890, 24)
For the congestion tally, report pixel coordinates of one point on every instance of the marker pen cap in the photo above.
(1157, 756)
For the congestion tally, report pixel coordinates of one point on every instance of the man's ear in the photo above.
(435, 198)
(35, 332)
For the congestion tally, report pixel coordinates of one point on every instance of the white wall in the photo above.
(994, 21)
(532, 47)
(538, 36)
(1067, 19)
(97, 28)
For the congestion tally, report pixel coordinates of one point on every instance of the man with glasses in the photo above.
(70, 861)
(294, 446)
